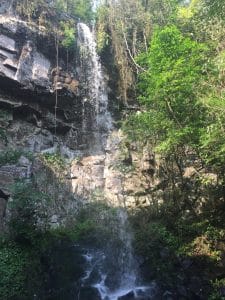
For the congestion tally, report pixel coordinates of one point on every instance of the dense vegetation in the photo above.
(37, 9)
(58, 17)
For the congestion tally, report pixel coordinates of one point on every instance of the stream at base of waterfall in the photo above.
(111, 271)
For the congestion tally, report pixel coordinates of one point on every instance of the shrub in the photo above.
(11, 156)
(12, 272)
(68, 31)
(54, 161)
(26, 212)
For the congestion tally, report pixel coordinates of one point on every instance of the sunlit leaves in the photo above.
(175, 65)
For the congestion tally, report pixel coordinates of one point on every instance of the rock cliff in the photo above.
(40, 99)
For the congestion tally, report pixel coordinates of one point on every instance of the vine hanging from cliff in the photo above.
(127, 25)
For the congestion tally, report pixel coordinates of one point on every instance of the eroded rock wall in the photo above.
(122, 176)
(40, 108)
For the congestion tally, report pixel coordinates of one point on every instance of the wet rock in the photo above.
(167, 295)
(87, 293)
(182, 291)
(10, 173)
(26, 61)
(54, 223)
(145, 294)
(24, 161)
(128, 296)
(222, 291)
(186, 263)
(195, 285)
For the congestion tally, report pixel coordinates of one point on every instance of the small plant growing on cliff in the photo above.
(26, 212)
(11, 156)
(54, 161)
(68, 31)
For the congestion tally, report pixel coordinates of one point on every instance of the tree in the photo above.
(174, 68)
(129, 27)
(162, 11)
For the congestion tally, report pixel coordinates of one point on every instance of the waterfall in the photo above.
(97, 97)
(111, 271)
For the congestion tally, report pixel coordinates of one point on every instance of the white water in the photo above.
(96, 4)
(97, 88)
(112, 271)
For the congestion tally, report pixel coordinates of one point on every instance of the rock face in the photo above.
(20, 60)
(40, 108)
(31, 80)
(30, 77)
(125, 177)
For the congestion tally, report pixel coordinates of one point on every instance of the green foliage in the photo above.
(3, 136)
(215, 8)
(159, 237)
(162, 12)
(201, 240)
(5, 115)
(103, 38)
(79, 231)
(218, 285)
(12, 272)
(83, 10)
(68, 31)
(10, 156)
(153, 240)
(212, 147)
(54, 161)
(80, 9)
(166, 239)
(174, 65)
(30, 243)
(27, 212)
(30, 9)
(61, 5)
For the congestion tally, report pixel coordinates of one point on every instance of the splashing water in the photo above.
(113, 271)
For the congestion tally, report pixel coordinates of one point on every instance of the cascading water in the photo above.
(97, 97)
(111, 271)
